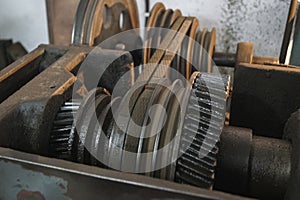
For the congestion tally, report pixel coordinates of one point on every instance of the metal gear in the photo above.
(197, 164)
(200, 133)
(62, 126)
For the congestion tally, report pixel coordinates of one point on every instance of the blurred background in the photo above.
(261, 22)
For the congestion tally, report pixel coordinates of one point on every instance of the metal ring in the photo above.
(152, 22)
(103, 131)
(89, 26)
(101, 103)
(146, 144)
(77, 150)
(170, 129)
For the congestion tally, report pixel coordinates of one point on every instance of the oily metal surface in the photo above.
(61, 129)
(116, 142)
(100, 135)
(101, 103)
(82, 121)
(102, 132)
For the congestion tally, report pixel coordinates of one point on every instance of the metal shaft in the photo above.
(253, 166)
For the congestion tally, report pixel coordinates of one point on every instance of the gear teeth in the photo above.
(219, 81)
(62, 126)
(202, 127)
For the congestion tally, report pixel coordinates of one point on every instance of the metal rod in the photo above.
(288, 30)
(147, 11)
(224, 59)
(295, 60)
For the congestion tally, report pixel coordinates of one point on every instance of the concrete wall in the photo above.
(24, 21)
(260, 21)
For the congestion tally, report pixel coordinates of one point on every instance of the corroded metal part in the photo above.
(96, 21)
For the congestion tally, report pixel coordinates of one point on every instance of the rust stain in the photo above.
(29, 195)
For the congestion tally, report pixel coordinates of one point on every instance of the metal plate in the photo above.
(57, 179)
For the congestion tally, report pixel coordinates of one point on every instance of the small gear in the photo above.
(62, 126)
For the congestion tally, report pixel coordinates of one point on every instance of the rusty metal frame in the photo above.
(42, 177)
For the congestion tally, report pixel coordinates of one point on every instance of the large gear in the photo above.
(204, 120)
